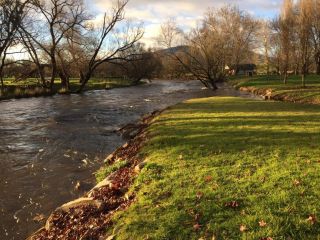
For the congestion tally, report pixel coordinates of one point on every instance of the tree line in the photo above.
(52, 39)
(59, 38)
(227, 37)
(297, 38)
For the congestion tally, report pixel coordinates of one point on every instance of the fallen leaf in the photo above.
(197, 227)
(266, 238)
(197, 217)
(232, 204)
(209, 178)
(262, 223)
(199, 195)
(312, 219)
(296, 182)
(243, 228)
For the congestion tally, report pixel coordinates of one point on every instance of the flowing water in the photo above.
(48, 145)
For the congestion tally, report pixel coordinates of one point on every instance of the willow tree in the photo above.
(224, 37)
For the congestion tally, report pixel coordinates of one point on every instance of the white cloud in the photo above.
(186, 12)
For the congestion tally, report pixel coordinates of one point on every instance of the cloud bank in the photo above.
(186, 12)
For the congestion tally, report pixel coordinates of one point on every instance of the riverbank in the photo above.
(31, 88)
(218, 168)
(228, 168)
(272, 88)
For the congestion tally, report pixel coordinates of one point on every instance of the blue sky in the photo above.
(186, 12)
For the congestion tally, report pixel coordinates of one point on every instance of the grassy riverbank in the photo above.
(274, 87)
(228, 168)
(31, 87)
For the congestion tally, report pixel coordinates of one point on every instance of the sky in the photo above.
(186, 12)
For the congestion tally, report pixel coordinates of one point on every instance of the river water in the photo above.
(48, 145)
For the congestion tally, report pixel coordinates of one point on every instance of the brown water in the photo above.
(47, 145)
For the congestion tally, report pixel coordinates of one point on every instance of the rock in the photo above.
(73, 204)
(109, 158)
(78, 185)
(80, 202)
(39, 218)
(139, 167)
(102, 184)
(110, 237)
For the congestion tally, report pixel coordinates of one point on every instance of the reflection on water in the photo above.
(48, 145)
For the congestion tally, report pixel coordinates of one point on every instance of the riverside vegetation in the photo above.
(228, 168)
(31, 87)
(272, 87)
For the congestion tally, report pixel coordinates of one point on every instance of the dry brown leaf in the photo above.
(209, 178)
(232, 204)
(197, 227)
(243, 228)
(262, 223)
(312, 219)
(296, 182)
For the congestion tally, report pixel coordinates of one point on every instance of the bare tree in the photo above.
(285, 27)
(315, 30)
(138, 63)
(224, 37)
(108, 43)
(265, 37)
(304, 33)
(49, 22)
(11, 15)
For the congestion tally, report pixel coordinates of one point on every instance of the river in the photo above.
(48, 145)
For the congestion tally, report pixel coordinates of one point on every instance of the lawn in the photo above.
(228, 168)
(292, 91)
(32, 88)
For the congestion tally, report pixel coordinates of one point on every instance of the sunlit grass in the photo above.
(32, 88)
(228, 168)
(292, 91)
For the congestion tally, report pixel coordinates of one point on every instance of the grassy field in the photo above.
(31, 87)
(228, 168)
(292, 91)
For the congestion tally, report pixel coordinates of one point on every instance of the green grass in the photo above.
(292, 91)
(31, 87)
(204, 154)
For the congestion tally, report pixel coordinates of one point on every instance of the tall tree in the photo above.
(11, 15)
(224, 38)
(304, 32)
(315, 30)
(106, 43)
(286, 26)
(48, 24)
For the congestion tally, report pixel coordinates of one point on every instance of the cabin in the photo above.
(249, 70)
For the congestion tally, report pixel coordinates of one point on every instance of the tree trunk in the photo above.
(53, 71)
(65, 82)
(213, 85)
(84, 78)
(318, 63)
(285, 78)
(303, 74)
(2, 85)
(42, 76)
